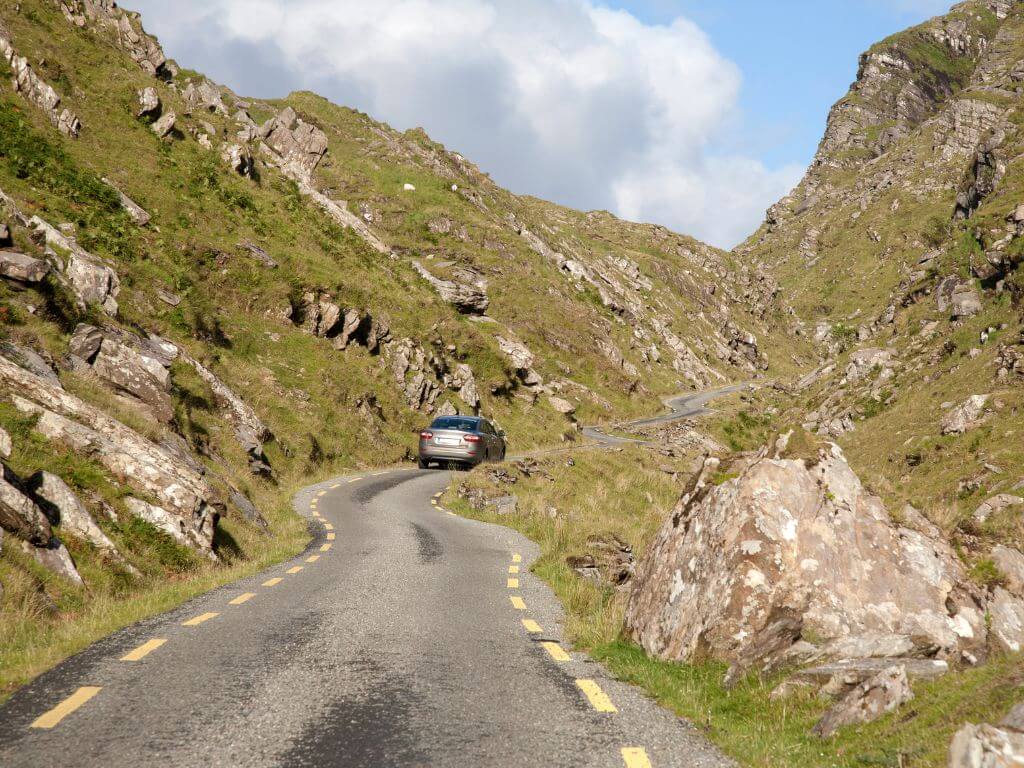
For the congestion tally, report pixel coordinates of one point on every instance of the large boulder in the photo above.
(298, 146)
(29, 359)
(56, 558)
(790, 559)
(92, 281)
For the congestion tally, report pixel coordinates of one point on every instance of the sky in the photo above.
(694, 114)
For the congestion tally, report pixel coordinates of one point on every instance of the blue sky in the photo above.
(695, 114)
(797, 58)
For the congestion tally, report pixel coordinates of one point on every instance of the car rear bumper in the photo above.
(449, 453)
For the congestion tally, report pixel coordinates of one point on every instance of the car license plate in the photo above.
(447, 441)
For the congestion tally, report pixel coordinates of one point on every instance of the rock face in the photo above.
(989, 746)
(965, 416)
(300, 146)
(181, 491)
(149, 103)
(165, 124)
(135, 374)
(794, 557)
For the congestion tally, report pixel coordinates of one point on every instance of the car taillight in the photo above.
(471, 438)
(426, 435)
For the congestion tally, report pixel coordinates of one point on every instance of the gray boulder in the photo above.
(204, 96)
(22, 268)
(85, 342)
(958, 297)
(127, 455)
(466, 298)
(6, 446)
(5, 236)
(867, 702)
(239, 159)
(247, 508)
(1006, 620)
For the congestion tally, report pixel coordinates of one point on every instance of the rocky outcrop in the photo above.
(250, 430)
(128, 456)
(36, 90)
(608, 560)
(19, 514)
(136, 211)
(92, 281)
(965, 416)
(149, 103)
(790, 560)
(125, 29)
(203, 97)
(466, 298)
(131, 365)
(870, 700)
(22, 268)
(63, 508)
(521, 359)
(31, 360)
(299, 145)
(958, 297)
(239, 159)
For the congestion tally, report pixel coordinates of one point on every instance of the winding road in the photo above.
(403, 636)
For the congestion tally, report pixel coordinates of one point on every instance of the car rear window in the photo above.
(454, 422)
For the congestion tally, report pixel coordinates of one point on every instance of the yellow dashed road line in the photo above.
(328, 527)
(143, 650)
(336, 485)
(325, 548)
(556, 652)
(242, 598)
(598, 699)
(331, 536)
(512, 583)
(66, 707)
(354, 479)
(272, 582)
(513, 569)
(517, 603)
(312, 558)
(321, 493)
(635, 757)
(517, 558)
(296, 569)
(531, 626)
(195, 622)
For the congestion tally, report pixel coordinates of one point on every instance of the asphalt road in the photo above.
(680, 407)
(402, 637)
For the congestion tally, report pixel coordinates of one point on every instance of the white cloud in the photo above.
(562, 99)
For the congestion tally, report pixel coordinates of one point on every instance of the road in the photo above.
(403, 636)
(680, 407)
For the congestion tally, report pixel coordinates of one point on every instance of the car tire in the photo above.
(424, 464)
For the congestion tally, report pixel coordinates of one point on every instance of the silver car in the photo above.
(465, 440)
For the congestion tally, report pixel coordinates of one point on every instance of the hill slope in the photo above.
(208, 299)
